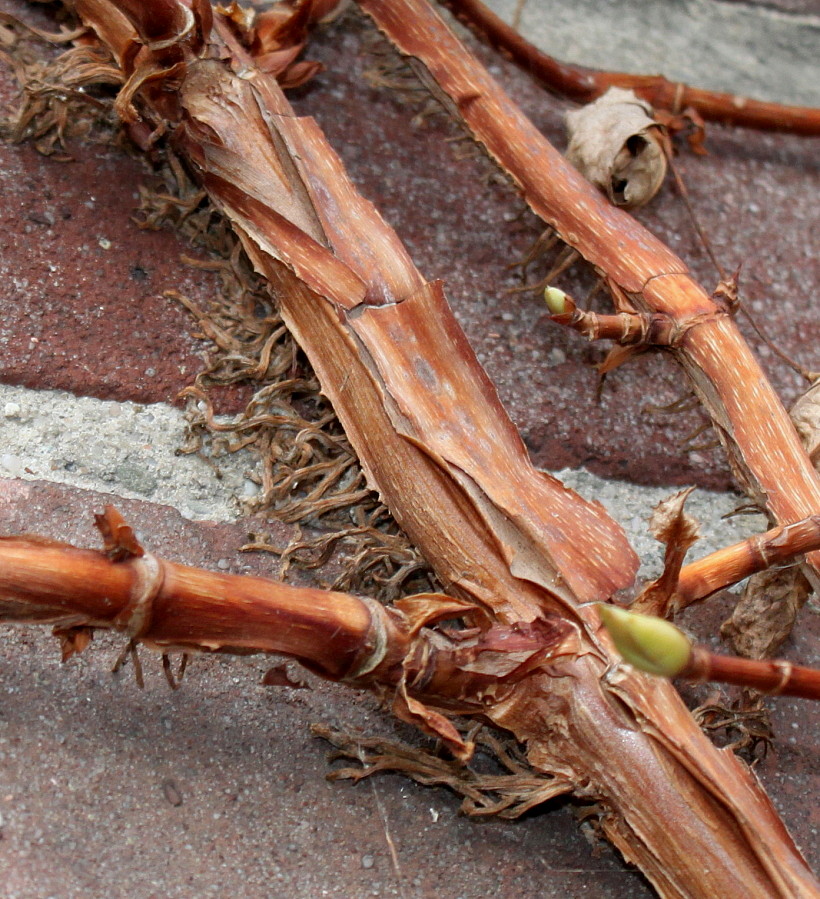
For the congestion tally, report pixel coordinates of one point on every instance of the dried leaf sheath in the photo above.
(500, 535)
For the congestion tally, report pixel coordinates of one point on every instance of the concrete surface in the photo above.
(765, 50)
(218, 788)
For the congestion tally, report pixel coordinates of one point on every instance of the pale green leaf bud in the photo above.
(646, 642)
(556, 300)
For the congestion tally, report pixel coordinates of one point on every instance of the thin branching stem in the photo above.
(583, 85)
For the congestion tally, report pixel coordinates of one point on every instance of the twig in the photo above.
(658, 647)
(168, 606)
(731, 565)
(583, 85)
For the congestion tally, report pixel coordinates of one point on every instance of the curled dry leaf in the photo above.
(688, 125)
(118, 537)
(671, 526)
(617, 145)
(278, 35)
(806, 417)
(765, 614)
(73, 640)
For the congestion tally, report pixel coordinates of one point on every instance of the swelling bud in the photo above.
(647, 643)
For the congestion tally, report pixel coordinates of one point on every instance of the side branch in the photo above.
(176, 607)
(730, 565)
(340, 637)
(583, 85)
(658, 647)
(773, 677)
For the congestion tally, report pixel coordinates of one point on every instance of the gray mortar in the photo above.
(125, 449)
(632, 506)
(751, 50)
(129, 450)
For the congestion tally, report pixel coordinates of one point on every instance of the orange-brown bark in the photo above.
(730, 565)
(763, 447)
(772, 677)
(514, 547)
(176, 607)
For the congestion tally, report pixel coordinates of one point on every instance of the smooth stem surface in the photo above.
(771, 677)
(178, 607)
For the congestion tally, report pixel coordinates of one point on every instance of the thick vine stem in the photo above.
(583, 85)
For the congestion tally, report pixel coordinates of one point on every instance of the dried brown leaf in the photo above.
(118, 537)
(806, 417)
(688, 124)
(278, 35)
(672, 526)
(764, 617)
(73, 640)
(617, 145)
(432, 723)
(425, 609)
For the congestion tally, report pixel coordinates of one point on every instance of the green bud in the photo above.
(556, 300)
(647, 643)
